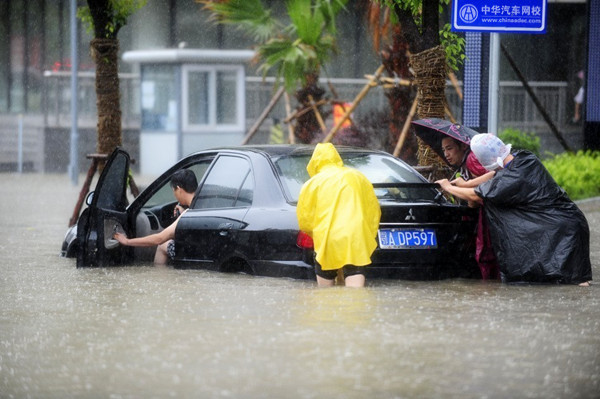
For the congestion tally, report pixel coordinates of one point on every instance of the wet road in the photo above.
(148, 332)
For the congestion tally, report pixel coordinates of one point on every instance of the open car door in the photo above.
(104, 215)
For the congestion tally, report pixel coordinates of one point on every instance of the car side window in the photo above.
(228, 184)
(246, 192)
(165, 193)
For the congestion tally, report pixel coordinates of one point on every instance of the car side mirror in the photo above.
(89, 198)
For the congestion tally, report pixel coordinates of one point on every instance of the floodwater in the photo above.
(150, 332)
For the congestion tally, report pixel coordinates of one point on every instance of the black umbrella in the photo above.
(431, 131)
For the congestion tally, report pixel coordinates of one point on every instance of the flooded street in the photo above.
(152, 332)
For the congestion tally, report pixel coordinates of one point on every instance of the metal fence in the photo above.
(38, 132)
(57, 99)
(516, 109)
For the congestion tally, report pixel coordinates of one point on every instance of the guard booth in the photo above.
(190, 100)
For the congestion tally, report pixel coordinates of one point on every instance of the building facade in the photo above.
(35, 67)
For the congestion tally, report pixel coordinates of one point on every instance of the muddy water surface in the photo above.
(144, 331)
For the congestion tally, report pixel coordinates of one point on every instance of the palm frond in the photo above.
(313, 18)
(329, 9)
(291, 61)
(291, 52)
(307, 21)
(249, 16)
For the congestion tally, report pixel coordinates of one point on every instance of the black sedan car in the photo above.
(243, 216)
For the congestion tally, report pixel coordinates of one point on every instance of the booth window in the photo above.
(212, 98)
(159, 98)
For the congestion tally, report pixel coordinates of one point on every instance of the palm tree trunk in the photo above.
(429, 68)
(395, 59)
(105, 53)
(308, 126)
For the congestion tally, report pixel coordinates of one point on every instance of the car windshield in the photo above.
(378, 168)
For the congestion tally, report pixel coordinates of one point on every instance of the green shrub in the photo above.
(521, 140)
(578, 174)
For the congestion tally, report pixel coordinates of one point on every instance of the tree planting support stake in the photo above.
(359, 97)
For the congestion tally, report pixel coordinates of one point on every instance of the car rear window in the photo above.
(378, 168)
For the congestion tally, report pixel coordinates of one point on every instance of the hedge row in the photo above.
(578, 174)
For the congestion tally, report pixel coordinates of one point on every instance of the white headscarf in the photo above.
(490, 150)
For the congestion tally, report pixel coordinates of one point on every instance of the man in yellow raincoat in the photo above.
(338, 208)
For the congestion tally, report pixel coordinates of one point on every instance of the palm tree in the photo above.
(295, 52)
(429, 60)
(393, 49)
(106, 18)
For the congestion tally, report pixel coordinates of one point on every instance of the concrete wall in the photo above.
(32, 142)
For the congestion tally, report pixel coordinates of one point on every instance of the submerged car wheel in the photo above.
(70, 246)
(236, 265)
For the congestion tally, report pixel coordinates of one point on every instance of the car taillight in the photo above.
(304, 241)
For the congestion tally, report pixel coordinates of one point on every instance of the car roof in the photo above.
(278, 150)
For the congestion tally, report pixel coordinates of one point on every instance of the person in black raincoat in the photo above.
(539, 235)
(467, 174)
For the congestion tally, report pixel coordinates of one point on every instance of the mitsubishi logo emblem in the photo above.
(410, 215)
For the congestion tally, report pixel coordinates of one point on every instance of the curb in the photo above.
(589, 204)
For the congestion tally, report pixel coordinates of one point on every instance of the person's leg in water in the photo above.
(325, 278)
(324, 282)
(161, 256)
(355, 281)
(354, 276)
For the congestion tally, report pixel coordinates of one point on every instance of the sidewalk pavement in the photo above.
(589, 205)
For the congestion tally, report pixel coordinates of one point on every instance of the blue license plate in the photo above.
(407, 238)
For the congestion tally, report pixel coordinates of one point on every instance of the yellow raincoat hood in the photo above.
(324, 154)
(337, 206)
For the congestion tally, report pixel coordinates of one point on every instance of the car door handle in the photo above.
(224, 228)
